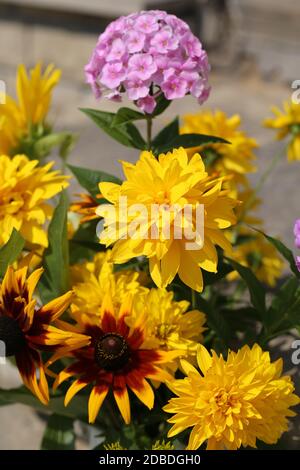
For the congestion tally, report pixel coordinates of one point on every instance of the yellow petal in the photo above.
(122, 400)
(75, 388)
(143, 391)
(203, 358)
(96, 399)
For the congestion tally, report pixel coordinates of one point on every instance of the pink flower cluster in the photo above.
(146, 54)
(297, 240)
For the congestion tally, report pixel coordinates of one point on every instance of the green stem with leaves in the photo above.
(261, 183)
(149, 131)
(194, 299)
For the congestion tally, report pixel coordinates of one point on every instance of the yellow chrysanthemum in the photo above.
(114, 446)
(154, 222)
(168, 324)
(233, 402)
(158, 445)
(235, 158)
(287, 122)
(34, 93)
(259, 255)
(163, 445)
(93, 279)
(25, 189)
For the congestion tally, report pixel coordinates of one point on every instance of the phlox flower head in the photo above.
(297, 233)
(297, 241)
(145, 55)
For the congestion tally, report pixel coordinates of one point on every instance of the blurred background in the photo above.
(253, 47)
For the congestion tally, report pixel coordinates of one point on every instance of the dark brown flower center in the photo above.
(11, 335)
(112, 352)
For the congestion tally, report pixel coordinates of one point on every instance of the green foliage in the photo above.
(90, 179)
(256, 289)
(285, 252)
(59, 433)
(222, 270)
(11, 251)
(284, 311)
(63, 140)
(84, 243)
(77, 409)
(55, 280)
(188, 141)
(216, 322)
(126, 133)
(126, 115)
(161, 105)
(40, 141)
(166, 135)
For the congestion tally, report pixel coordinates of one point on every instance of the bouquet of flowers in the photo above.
(144, 306)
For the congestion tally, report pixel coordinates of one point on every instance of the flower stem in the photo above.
(149, 132)
(194, 299)
(261, 182)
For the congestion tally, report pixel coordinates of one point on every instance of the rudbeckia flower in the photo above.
(232, 403)
(156, 223)
(115, 360)
(85, 207)
(92, 280)
(169, 325)
(236, 158)
(18, 119)
(25, 189)
(287, 123)
(25, 329)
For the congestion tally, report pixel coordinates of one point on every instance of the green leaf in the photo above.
(215, 321)
(90, 179)
(77, 409)
(59, 434)
(67, 146)
(284, 310)
(210, 156)
(10, 251)
(166, 135)
(161, 105)
(55, 280)
(190, 140)
(244, 320)
(241, 239)
(256, 290)
(94, 246)
(84, 243)
(284, 251)
(125, 115)
(222, 270)
(127, 134)
(63, 140)
(136, 139)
